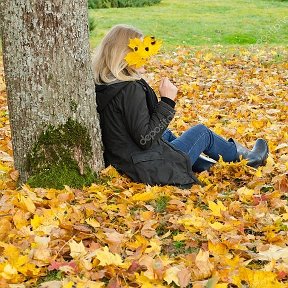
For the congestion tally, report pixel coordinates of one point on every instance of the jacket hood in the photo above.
(106, 92)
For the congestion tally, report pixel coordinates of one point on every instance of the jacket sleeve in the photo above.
(143, 128)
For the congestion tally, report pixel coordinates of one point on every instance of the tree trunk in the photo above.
(49, 81)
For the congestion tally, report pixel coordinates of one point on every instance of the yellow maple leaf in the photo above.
(27, 203)
(68, 284)
(90, 284)
(107, 258)
(245, 194)
(112, 207)
(216, 208)
(16, 261)
(109, 171)
(4, 168)
(142, 50)
(258, 172)
(180, 237)
(258, 124)
(155, 246)
(270, 165)
(221, 285)
(146, 196)
(207, 57)
(135, 59)
(256, 279)
(217, 248)
(192, 220)
(145, 282)
(19, 219)
(140, 241)
(9, 272)
(92, 222)
(135, 43)
(12, 253)
(203, 267)
(221, 227)
(29, 269)
(77, 250)
(5, 227)
(36, 221)
(274, 253)
(41, 250)
(153, 45)
(171, 275)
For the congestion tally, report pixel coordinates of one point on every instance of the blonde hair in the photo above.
(108, 62)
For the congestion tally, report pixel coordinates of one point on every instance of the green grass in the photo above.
(161, 204)
(205, 22)
(54, 275)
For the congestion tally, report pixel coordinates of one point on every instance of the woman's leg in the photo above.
(200, 139)
(202, 163)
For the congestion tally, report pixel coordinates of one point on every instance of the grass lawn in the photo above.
(205, 22)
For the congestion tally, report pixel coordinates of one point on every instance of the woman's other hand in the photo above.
(167, 89)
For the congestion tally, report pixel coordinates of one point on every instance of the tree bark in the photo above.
(48, 74)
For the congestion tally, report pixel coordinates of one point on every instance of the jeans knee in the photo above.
(201, 128)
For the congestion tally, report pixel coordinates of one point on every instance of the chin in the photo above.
(142, 70)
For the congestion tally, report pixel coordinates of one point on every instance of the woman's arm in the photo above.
(143, 128)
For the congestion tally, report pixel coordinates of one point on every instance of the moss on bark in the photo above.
(60, 157)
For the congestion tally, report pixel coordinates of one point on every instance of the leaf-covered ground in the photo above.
(233, 232)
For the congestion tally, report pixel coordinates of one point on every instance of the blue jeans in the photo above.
(200, 139)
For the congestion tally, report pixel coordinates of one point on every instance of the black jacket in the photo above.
(132, 123)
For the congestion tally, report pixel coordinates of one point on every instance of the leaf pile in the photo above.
(230, 233)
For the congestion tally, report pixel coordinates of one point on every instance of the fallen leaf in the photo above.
(77, 250)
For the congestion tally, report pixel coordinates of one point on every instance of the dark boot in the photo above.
(257, 156)
(203, 163)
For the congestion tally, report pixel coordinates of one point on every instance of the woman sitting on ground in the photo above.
(134, 123)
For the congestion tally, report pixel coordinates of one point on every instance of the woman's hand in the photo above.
(167, 89)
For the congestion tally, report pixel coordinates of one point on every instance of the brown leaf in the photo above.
(83, 228)
(114, 283)
(147, 229)
(184, 277)
(114, 240)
